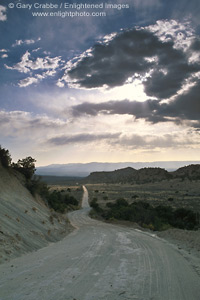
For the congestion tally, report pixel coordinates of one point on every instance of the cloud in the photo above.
(195, 46)
(36, 50)
(128, 141)
(25, 42)
(82, 138)
(27, 81)
(3, 16)
(24, 66)
(4, 56)
(26, 125)
(142, 53)
(60, 84)
(112, 63)
(138, 109)
(135, 141)
(185, 107)
(28, 65)
(3, 50)
(163, 84)
(181, 34)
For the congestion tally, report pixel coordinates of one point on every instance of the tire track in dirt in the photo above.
(100, 261)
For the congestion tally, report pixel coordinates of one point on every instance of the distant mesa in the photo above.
(144, 175)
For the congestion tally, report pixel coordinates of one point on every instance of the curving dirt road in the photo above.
(100, 261)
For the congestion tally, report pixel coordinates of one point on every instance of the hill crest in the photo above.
(143, 175)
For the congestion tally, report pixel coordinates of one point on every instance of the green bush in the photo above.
(154, 218)
(135, 196)
(26, 166)
(5, 157)
(95, 205)
(70, 200)
(185, 219)
(60, 202)
(121, 202)
(170, 199)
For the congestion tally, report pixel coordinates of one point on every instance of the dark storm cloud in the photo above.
(82, 138)
(164, 85)
(185, 107)
(132, 53)
(196, 45)
(138, 109)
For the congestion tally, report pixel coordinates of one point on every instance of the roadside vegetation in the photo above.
(60, 201)
(156, 206)
(154, 218)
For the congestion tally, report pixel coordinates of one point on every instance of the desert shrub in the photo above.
(5, 157)
(60, 202)
(170, 199)
(55, 201)
(36, 186)
(164, 212)
(155, 218)
(26, 166)
(95, 205)
(185, 219)
(110, 204)
(70, 200)
(121, 202)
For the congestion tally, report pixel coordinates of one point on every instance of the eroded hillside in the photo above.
(26, 223)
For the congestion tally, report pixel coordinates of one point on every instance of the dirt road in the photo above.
(100, 261)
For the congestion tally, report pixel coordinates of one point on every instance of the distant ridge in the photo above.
(83, 170)
(191, 172)
(144, 175)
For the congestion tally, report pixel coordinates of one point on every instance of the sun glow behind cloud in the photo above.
(133, 91)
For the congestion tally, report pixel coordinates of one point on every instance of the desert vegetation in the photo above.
(157, 206)
(5, 157)
(155, 218)
(65, 198)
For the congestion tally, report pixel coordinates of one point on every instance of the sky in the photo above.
(104, 81)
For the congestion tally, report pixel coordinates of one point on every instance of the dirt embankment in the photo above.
(26, 224)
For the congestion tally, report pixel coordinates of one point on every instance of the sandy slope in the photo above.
(26, 224)
(101, 261)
